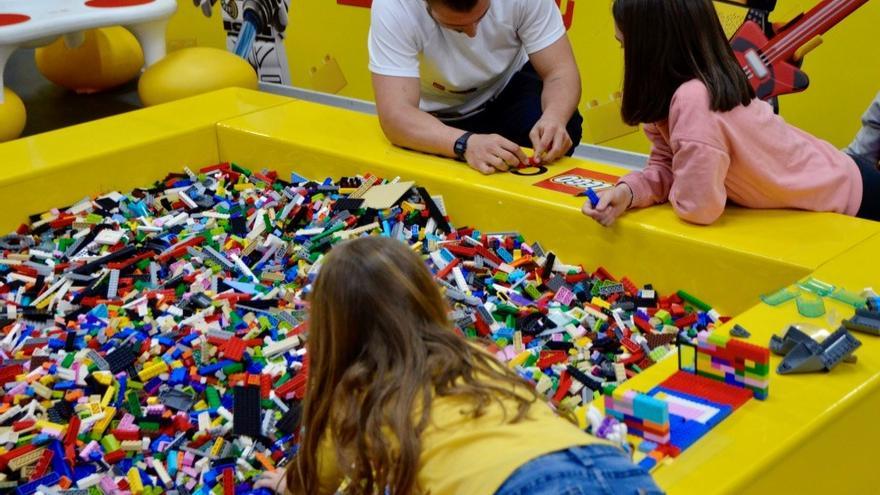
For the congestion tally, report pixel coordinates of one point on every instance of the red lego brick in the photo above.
(686, 321)
(8, 373)
(42, 465)
(228, 482)
(114, 457)
(603, 274)
(707, 388)
(630, 345)
(564, 385)
(643, 325)
(549, 358)
(629, 286)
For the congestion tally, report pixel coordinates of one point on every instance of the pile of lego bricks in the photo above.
(154, 341)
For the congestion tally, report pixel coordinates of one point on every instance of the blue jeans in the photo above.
(515, 111)
(588, 470)
(870, 209)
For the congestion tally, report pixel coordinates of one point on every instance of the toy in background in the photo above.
(327, 77)
(193, 71)
(255, 31)
(773, 64)
(104, 59)
(85, 60)
(806, 348)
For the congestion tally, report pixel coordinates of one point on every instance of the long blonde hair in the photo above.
(380, 344)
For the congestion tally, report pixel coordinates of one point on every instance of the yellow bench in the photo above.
(814, 434)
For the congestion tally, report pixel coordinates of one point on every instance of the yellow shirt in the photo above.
(466, 455)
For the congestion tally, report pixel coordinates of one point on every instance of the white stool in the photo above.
(33, 23)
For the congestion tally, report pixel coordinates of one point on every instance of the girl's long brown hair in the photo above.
(666, 44)
(380, 347)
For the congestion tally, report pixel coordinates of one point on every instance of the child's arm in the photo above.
(698, 194)
(867, 141)
(651, 186)
(638, 189)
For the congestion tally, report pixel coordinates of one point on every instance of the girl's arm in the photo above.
(651, 186)
(698, 194)
(638, 189)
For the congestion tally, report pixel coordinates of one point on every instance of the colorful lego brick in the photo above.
(729, 360)
(707, 388)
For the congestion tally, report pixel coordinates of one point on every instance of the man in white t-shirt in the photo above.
(476, 79)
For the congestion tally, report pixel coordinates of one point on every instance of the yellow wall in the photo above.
(845, 71)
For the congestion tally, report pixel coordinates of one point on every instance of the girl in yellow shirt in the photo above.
(399, 403)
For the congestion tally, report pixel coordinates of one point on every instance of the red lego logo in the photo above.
(578, 180)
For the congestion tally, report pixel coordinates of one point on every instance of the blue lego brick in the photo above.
(648, 463)
(650, 409)
(29, 488)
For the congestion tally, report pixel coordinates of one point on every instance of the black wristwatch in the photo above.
(461, 146)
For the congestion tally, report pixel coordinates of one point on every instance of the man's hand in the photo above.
(550, 140)
(488, 153)
(612, 203)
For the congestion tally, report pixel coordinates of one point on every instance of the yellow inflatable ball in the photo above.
(12, 116)
(108, 57)
(193, 71)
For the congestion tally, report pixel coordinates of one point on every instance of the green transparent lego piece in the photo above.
(851, 298)
(810, 306)
(689, 298)
(815, 286)
(783, 295)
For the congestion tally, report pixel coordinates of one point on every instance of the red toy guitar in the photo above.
(770, 63)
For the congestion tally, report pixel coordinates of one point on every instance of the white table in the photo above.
(33, 23)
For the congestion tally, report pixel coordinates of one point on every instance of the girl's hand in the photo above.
(612, 203)
(273, 480)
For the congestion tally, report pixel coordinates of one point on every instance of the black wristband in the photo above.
(460, 147)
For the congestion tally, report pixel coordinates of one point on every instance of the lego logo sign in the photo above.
(578, 180)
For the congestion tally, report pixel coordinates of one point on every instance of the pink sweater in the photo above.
(700, 158)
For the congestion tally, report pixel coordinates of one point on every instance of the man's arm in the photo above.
(560, 97)
(405, 125)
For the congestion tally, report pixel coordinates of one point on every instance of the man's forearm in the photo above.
(560, 96)
(414, 129)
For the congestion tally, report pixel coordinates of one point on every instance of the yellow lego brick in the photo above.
(597, 301)
(135, 486)
(580, 413)
(43, 424)
(217, 448)
(519, 359)
(108, 396)
(102, 425)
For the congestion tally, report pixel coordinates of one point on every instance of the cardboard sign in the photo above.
(578, 180)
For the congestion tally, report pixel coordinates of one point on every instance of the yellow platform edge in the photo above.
(815, 433)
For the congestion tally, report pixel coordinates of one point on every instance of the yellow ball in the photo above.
(108, 57)
(12, 116)
(193, 71)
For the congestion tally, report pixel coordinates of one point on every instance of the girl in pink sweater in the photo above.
(712, 140)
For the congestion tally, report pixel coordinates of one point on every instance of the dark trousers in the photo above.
(870, 208)
(515, 111)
